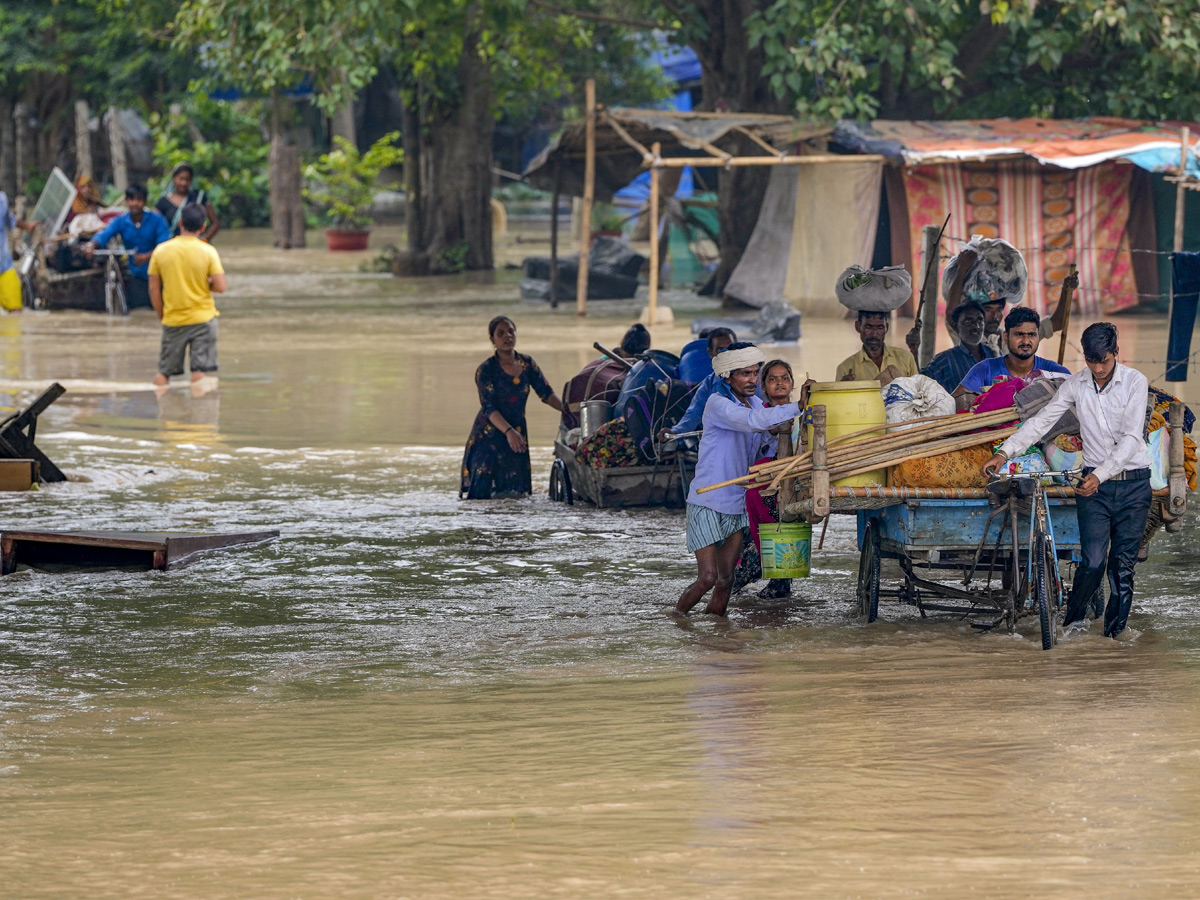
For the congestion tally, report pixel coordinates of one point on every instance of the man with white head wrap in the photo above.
(735, 422)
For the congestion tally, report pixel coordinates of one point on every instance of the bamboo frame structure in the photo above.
(653, 160)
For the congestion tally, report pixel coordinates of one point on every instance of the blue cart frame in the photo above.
(974, 537)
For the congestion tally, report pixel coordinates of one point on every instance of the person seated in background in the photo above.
(601, 379)
(718, 339)
(950, 366)
(1021, 335)
(140, 230)
(182, 192)
(876, 360)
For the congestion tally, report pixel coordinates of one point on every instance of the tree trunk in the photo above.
(8, 149)
(284, 179)
(732, 81)
(456, 215)
(410, 124)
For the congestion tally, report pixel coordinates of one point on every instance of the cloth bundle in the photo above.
(873, 290)
(999, 272)
(960, 469)
(1030, 399)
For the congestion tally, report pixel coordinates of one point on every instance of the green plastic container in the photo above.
(786, 549)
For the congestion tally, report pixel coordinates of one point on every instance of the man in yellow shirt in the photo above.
(876, 360)
(185, 272)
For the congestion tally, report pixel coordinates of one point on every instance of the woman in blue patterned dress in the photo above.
(496, 460)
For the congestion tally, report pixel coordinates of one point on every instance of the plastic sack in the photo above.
(915, 397)
(999, 273)
(1159, 445)
(873, 290)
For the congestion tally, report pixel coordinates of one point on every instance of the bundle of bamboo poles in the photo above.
(884, 445)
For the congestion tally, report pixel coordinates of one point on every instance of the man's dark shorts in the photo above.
(176, 338)
(137, 293)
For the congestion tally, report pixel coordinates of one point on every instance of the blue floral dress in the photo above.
(490, 468)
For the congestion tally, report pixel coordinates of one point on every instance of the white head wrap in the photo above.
(728, 361)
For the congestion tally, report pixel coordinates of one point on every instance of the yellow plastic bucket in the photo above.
(786, 549)
(850, 406)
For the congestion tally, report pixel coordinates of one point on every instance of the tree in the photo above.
(267, 47)
(462, 64)
(953, 58)
(58, 52)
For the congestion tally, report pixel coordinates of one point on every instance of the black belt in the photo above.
(1127, 475)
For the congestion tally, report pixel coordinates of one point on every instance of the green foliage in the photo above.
(954, 58)
(225, 144)
(266, 46)
(343, 182)
(607, 218)
(453, 259)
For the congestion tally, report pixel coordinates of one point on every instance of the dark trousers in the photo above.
(1111, 523)
(137, 293)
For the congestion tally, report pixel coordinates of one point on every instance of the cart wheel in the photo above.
(114, 295)
(28, 295)
(1045, 609)
(868, 573)
(560, 483)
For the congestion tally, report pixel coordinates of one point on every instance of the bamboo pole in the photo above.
(1177, 481)
(930, 236)
(679, 162)
(945, 426)
(1069, 299)
(655, 185)
(554, 233)
(589, 198)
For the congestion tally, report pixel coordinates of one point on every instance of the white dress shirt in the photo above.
(1112, 421)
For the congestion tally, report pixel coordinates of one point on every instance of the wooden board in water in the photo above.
(147, 549)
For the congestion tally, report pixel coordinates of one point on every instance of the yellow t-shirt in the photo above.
(184, 264)
(864, 367)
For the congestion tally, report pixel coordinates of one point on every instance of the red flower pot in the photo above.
(341, 239)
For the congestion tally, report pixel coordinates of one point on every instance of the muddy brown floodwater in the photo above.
(410, 696)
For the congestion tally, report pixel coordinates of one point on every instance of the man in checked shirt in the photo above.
(1113, 500)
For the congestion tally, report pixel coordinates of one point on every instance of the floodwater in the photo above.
(410, 696)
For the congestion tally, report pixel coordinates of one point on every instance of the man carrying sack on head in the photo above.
(1113, 500)
(735, 422)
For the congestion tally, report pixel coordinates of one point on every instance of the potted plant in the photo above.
(607, 221)
(343, 182)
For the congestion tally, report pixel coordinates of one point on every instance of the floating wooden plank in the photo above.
(135, 549)
(18, 474)
(17, 434)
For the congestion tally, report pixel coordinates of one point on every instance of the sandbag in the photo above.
(873, 290)
(915, 397)
(960, 469)
(999, 273)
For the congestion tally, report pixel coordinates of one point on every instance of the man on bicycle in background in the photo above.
(141, 230)
(1113, 500)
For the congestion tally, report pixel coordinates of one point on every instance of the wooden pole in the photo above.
(589, 197)
(929, 316)
(655, 184)
(787, 490)
(1177, 481)
(820, 474)
(1180, 191)
(116, 142)
(83, 139)
(679, 162)
(554, 233)
(1069, 299)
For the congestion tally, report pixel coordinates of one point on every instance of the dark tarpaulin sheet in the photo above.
(680, 133)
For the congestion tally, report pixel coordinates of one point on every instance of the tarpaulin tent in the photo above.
(814, 222)
(1063, 191)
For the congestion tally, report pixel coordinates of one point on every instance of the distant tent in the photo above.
(815, 221)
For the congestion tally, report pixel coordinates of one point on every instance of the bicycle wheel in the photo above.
(114, 295)
(868, 573)
(1041, 586)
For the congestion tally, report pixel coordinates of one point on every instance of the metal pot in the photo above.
(593, 414)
